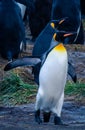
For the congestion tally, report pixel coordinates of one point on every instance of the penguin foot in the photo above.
(46, 116)
(37, 117)
(57, 121)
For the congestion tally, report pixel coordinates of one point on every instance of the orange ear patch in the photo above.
(52, 24)
(60, 48)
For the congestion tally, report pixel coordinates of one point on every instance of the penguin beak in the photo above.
(62, 20)
(55, 23)
(67, 34)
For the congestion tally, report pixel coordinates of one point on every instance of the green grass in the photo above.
(77, 90)
(14, 91)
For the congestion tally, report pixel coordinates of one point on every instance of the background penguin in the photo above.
(27, 7)
(72, 10)
(12, 31)
(52, 79)
(40, 17)
(23, 9)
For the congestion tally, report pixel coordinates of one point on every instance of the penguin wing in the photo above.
(25, 61)
(71, 72)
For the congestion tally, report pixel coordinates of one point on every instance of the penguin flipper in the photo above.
(25, 61)
(71, 72)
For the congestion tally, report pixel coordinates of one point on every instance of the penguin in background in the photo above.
(12, 31)
(52, 79)
(23, 9)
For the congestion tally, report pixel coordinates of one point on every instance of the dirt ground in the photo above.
(22, 118)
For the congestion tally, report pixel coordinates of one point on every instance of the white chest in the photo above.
(54, 71)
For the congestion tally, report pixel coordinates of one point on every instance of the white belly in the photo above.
(52, 78)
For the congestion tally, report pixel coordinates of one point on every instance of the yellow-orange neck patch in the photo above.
(60, 48)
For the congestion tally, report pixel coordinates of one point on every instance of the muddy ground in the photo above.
(22, 117)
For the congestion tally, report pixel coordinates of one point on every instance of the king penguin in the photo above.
(43, 42)
(52, 79)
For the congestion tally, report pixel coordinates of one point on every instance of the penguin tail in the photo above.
(25, 61)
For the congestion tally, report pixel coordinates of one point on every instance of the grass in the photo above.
(14, 91)
(77, 90)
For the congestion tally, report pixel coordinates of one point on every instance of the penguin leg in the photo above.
(46, 116)
(57, 110)
(57, 120)
(37, 116)
(37, 108)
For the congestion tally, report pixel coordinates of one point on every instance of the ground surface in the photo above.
(22, 117)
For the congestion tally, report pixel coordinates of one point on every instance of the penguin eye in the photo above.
(53, 25)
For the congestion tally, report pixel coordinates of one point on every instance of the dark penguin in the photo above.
(40, 17)
(72, 10)
(23, 9)
(27, 7)
(12, 32)
(27, 3)
(82, 8)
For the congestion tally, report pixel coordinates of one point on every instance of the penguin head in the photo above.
(57, 23)
(63, 36)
